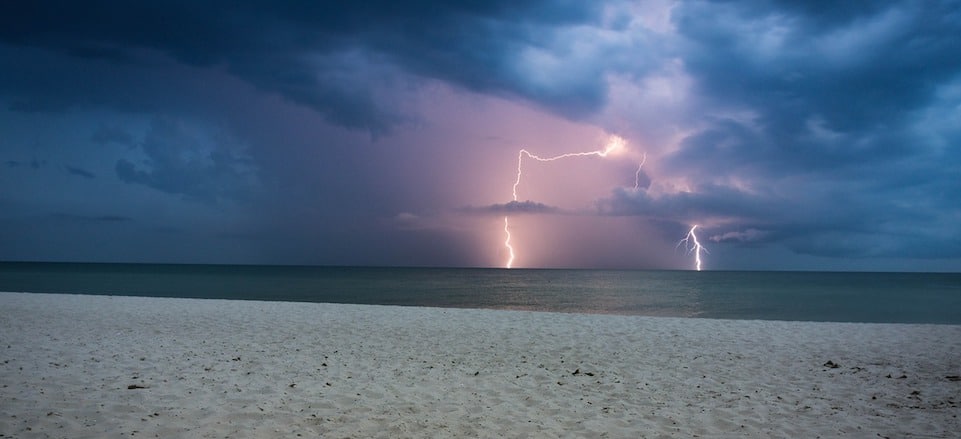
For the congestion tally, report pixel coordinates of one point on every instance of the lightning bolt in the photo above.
(637, 173)
(507, 243)
(692, 245)
(690, 241)
(615, 143)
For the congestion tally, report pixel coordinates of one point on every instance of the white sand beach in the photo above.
(76, 366)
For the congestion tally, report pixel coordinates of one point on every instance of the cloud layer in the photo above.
(318, 132)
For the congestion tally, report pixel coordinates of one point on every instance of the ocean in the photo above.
(799, 296)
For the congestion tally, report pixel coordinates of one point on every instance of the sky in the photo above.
(796, 135)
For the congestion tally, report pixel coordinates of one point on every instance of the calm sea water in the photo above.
(812, 296)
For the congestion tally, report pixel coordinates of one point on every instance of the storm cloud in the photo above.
(329, 56)
(514, 208)
(355, 133)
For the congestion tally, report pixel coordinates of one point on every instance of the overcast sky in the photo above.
(796, 135)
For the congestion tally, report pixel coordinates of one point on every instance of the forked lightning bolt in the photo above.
(614, 144)
(692, 245)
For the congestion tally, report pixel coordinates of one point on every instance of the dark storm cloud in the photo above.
(830, 219)
(37, 106)
(183, 162)
(80, 172)
(90, 218)
(855, 74)
(320, 54)
(706, 201)
(40, 81)
(514, 208)
(34, 164)
(111, 134)
(827, 128)
(833, 117)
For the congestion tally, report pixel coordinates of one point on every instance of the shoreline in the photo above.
(524, 309)
(116, 366)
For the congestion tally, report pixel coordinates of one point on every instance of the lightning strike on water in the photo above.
(507, 243)
(615, 143)
(692, 245)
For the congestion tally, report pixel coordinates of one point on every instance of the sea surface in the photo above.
(765, 295)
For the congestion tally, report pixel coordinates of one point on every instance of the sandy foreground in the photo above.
(93, 366)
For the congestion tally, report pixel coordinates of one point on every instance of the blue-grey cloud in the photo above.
(38, 106)
(832, 121)
(514, 208)
(80, 172)
(33, 163)
(825, 221)
(320, 54)
(191, 164)
(830, 129)
(821, 89)
(90, 218)
(106, 134)
(863, 66)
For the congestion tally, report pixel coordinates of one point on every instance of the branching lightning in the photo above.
(690, 242)
(614, 144)
(692, 245)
